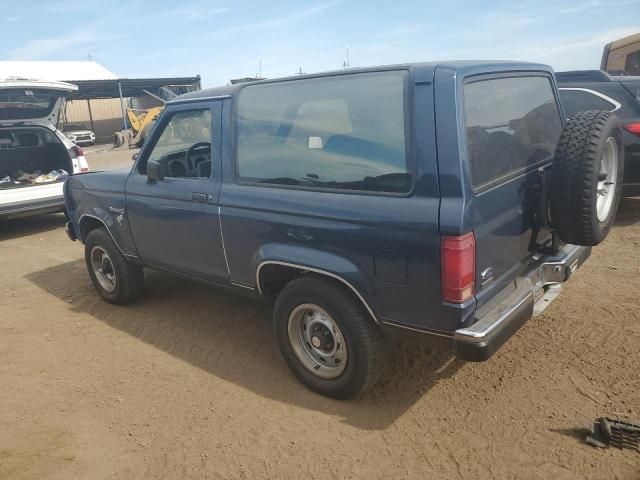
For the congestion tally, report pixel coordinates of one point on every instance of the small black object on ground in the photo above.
(613, 432)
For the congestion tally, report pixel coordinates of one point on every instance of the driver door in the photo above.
(175, 222)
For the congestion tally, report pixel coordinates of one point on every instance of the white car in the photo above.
(35, 157)
(79, 134)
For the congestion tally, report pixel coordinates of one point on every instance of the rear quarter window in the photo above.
(575, 101)
(345, 132)
(512, 124)
(632, 65)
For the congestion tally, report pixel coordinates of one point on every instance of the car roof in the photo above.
(461, 67)
(593, 76)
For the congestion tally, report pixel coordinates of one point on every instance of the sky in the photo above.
(224, 39)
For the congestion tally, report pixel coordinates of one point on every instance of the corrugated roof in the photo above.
(131, 87)
(52, 70)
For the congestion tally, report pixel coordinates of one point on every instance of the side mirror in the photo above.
(135, 157)
(155, 172)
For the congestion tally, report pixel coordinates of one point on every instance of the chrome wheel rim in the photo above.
(317, 341)
(103, 269)
(607, 178)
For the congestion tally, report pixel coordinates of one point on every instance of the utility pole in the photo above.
(346, 63)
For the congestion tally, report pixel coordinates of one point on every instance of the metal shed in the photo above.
(102, 97)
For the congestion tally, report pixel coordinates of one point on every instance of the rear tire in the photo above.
(586, 179)
(116, 279)
(347, 354)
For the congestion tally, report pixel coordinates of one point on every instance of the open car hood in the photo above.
(32, 101)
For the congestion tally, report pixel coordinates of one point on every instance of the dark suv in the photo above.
(415, 197)
(582, 90)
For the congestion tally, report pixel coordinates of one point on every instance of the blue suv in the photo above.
(439, 199)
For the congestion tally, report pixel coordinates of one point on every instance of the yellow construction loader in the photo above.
(141, 122)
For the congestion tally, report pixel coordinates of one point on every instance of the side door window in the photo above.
(184, 146)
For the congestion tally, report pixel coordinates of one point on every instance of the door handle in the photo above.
(200, 197)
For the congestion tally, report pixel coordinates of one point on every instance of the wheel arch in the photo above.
(290, 261)
(88, 222)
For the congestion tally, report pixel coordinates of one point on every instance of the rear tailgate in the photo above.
(512, 124)
(32, 101)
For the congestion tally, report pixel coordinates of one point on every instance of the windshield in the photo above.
(26, 103)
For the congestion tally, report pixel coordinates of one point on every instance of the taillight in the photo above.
(633, 128)
(78, 150)
(458, 267)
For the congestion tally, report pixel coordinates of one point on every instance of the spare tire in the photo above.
(586, 178)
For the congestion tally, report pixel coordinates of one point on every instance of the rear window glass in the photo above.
(511, 124)
(575, 101)
(23, 103)
(343, 132)
(632, 65)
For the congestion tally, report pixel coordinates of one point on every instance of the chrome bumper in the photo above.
(531, 295)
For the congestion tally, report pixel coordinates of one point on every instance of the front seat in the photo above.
(28, 139)
(204, 169)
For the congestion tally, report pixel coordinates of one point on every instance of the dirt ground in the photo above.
(189, 383)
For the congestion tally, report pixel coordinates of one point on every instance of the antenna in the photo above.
(346, 63)
(260, 69)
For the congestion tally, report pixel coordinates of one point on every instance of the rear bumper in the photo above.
(495, 324)
(53, 204)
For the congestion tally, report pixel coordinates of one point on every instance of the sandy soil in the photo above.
(188, 383)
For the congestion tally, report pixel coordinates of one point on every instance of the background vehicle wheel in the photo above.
(327, 338)
(116, 279)
(118, 139)
(586, 179)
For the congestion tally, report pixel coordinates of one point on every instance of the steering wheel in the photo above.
(193, 148)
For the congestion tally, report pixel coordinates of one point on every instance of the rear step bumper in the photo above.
(531, 295)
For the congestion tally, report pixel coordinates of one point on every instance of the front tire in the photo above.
(327, 338)
(116, 279)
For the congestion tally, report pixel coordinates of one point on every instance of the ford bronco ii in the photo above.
(448, 199)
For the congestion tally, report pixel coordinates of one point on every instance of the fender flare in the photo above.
(82, 237)
(308, 259)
